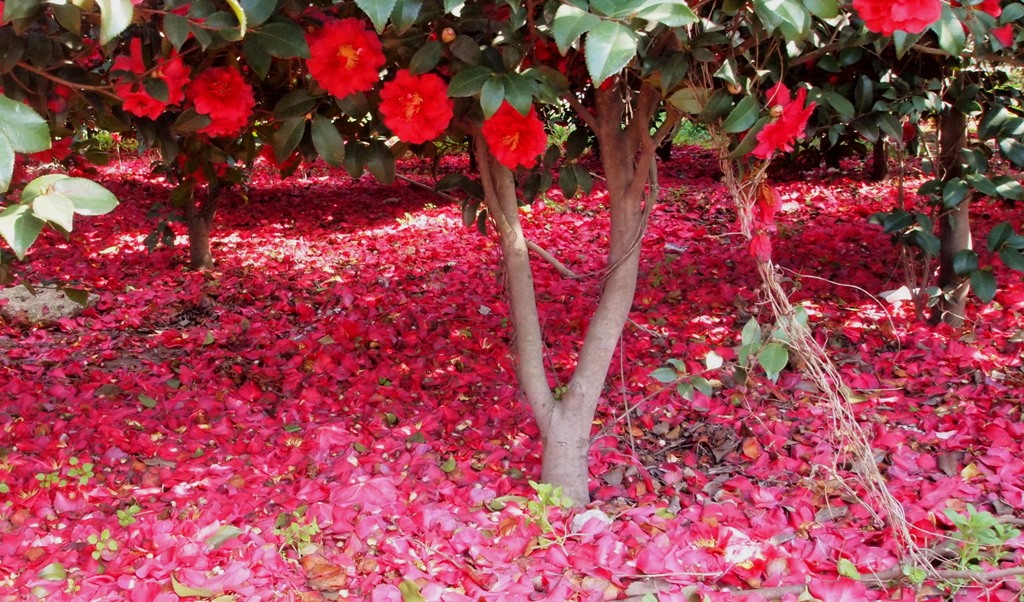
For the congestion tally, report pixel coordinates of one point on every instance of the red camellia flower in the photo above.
(137, 100)
(416, 108)
(1004, 34)
(345, 57)
(789, 126)
(515, 139)
(887, 16)
(222, 94)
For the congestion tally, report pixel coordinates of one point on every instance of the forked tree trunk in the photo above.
(565, 423)
(199, 216)
(954, 224)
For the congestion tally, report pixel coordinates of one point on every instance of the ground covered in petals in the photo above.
(332, 412)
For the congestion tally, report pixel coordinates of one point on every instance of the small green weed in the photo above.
(127, 516)
(297, 533)
(980, 537)
(105, 546)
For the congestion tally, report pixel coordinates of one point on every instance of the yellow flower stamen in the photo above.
(350, 54)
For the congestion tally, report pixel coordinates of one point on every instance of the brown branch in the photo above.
(560, 267)
(584, 113)
(104, 90)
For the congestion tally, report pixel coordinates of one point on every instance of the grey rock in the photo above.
(47, 306)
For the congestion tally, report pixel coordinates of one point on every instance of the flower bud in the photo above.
(448, 35)
(734, 88)
(775, 111)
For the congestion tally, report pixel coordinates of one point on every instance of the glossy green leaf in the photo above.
(7, 156)
(1009, 188)
(1012, 259)
(952, 37)
(88, 197)
(519, 91)
(954, 192)
(405, 14)
(842, 106)
(283, 40)
(751, 333)
(665, 375)
(669, 14)
(998, 236)
(983, 283)
(410, 591)
(224, 534)
(115, 17)
(297, 103)
(491, 96)
(569, 24)
(567, 181)
(287, 137)
(426, 57)
(19, 228)
(56, 209)
(823, 9)
(743, 117)
(23, 128)
(258, 11)
(1012, 150)
(381, 163)
(469, 81)
(176, 29)
(610, 47)
(965, 262)
(327, 141)
(378, 10)
(19, 9)
(191, 121)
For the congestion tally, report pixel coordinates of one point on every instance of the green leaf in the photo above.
(410, 592)
(999, 234)
(225, 533)
(983, 283)
(952, 38)
(287, 137)
(843, 107)
(567, 181)
(283, 40)
(147, 401)
(381, 162)
(258, 59)
(88, 197)
(466, 49)
(405, 14)
(665, 375)
(327, 141)
(610, 47)
(6, 164)
(773, 357)
(569, 24)
(116, 16)
(56, 209)
(19, 9)
(176, 28)
(378, 11)
(469, 81)
(186, 591)
(191, 121)
(982, 184)
(20, 228)
(954, 192)
(847, 569)
(1009, 188)
(965, 262)
(669, 14)
(703, 385)
(519, 91)
(26, 131)
(743, 116)
(1012, 259)
(258, 11)
(54, 571)
(751, 333)
(823, 9)
(297, 103)
(448, 465)
(426, 58)
(1012, 150)
(491, 96)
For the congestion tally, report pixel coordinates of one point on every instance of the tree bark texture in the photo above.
(565, 423)
(199, 216)
(954, 224)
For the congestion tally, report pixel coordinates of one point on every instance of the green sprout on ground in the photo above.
(297, 533)
(106, 547)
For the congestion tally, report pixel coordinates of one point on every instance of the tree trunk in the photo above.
(199, 216)
(954, 224)
(565, 424)
(879, 160)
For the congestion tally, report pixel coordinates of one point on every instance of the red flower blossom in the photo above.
(515, 139)
(345, 57)
(416, 108)
(222, 94)
(789, 126)
(887, 16)
(137, 100)
(1004, 34)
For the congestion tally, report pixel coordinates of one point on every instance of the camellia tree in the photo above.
(214, 85)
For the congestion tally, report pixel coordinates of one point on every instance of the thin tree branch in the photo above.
(584, 113)
(560, 267)
(104, 90)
